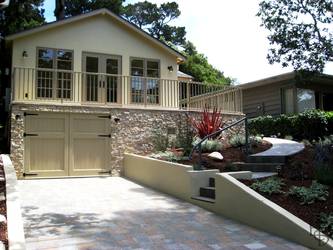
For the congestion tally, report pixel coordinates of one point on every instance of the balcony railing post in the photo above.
(246, 137)
(188, 94)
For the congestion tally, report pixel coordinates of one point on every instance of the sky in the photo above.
(227, 32)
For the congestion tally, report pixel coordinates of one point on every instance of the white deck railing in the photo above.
(33, 85)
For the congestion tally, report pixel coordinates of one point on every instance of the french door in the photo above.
(101, 77)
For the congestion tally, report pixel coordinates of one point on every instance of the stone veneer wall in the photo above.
(132, 133)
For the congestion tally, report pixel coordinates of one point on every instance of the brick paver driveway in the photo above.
(114, 213)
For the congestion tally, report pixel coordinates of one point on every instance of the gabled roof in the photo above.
(103, 11)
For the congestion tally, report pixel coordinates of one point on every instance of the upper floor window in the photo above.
(54, 74)
(144, 81)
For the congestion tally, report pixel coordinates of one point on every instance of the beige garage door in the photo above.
(66, 144)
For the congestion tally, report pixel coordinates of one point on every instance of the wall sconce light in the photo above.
(170, 68)
(25, 54)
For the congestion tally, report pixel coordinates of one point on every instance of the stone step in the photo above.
(258, 167)
(259, 175)
(204, 199)
(266, 159)
(208, 192)
(211, 182)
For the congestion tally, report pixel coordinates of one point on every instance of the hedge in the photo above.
(312, 124)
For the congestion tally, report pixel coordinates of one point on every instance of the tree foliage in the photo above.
(156, 20)
(77, 7)
(20, 15)
(198, 66)
(301, 32)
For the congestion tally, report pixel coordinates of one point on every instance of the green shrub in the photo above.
(326, 223)
(237, 141)
(160, 139)
(288, 137)
(329, 117)
(209, 145)
(168, 156)
(323, 160)
(311, 124)
(324, 174)
(316, 192)
(185, 135)
(269, 186)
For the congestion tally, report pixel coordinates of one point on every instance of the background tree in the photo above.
(18, 16)
(301, 32)
(77, 7)
(198, 66)
(156, 20)
(59, 11)
(142, 13)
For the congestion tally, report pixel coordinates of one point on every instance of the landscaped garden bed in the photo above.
(313, 214)
(230, 155)
(304, 185)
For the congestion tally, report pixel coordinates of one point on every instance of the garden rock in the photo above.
(216, 156)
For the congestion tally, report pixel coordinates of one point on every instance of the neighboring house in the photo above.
(284, 94)
(87, 88)
(184, 77)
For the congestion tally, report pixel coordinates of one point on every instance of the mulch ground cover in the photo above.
(230, 155)
(3, 211)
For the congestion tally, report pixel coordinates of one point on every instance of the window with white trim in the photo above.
(54, 73)
(145, 74)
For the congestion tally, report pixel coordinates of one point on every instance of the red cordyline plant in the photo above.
(208, 123)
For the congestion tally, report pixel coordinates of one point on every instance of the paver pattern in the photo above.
(114, 213)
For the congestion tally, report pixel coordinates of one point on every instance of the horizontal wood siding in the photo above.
(267, 98)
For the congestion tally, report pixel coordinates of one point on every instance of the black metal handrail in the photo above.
(198, 145)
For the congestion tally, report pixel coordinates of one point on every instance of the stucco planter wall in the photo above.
(132, 133)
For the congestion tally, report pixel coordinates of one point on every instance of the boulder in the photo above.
(216, 156)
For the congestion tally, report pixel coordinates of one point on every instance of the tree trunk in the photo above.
(59, 11)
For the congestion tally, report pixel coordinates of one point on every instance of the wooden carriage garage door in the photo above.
(66, 144)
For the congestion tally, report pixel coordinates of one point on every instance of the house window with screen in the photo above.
(54, 73)
(145, 75)
(305, 99)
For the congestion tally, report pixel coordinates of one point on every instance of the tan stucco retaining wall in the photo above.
(171, 179)
(233, 199)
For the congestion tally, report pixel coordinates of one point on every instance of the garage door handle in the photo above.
(105, 136)
(26, 134)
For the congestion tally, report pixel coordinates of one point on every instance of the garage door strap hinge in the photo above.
(105, 116)
(109, 135)
(29, 174)
(25, 114)
(26, 134)
(105, 172)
